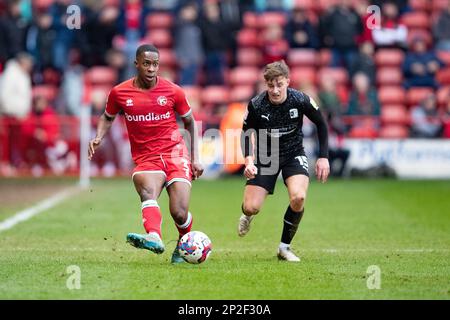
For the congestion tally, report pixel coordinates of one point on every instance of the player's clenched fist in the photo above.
(250, 171)
(197, 170)
(93, 144)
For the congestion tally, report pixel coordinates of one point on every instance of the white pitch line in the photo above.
(36, 209)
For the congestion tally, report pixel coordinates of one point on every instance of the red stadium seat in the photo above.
(416, 94)
(302, 75)
(214, 95)
(302, 57)
(392, 95)
(340, 75)
(241, 93)
(250, 20)
(268, 18)
(244, 75)
(304, 4)
(416, 20)
(364, 129)
(394, 131)
(444, 56)
(325, 57)
(248, 38)
(159, 20)
(389, 76)
(394, 114)
(101, 75)
(420, 5)
(167, 58)
(424, 34)
(47, 91)
(443, 76)
(249, 57)
(439, 5)
(443, 95)
(161, 38)
(389, 57)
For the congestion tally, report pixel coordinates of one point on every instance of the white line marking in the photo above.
(36, 209)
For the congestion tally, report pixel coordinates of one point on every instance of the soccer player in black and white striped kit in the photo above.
(272, 142)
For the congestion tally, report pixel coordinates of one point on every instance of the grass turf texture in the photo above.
(403, 227)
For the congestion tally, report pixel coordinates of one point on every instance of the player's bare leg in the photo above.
(254, 197)
(179, 197)
(297, 187)
(149, 186)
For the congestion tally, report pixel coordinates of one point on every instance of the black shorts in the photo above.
(267, 177)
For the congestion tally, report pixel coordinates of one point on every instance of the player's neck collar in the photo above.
(134, 83)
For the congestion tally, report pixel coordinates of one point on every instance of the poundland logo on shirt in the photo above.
(147, 117)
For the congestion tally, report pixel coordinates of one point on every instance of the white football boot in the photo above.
(287, 255)
(244, 224)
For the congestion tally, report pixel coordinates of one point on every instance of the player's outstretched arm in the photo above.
(191, 127)
(103, 126)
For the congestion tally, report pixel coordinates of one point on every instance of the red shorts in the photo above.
(173, 168)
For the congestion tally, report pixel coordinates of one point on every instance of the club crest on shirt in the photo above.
(129, 102)
(162, 100)
(293, 113)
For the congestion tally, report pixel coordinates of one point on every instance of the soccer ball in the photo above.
(194, 247)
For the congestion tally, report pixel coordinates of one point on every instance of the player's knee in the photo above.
(297, 202)
(250, 209)
(148, 193)
(179, 213)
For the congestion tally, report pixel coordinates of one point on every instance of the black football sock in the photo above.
(290, 224)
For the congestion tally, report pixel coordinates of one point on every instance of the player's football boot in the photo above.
(287, 255)
(176, 257)
(244, 224)
(150, 241)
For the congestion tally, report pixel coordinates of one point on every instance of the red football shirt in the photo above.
(150, 117)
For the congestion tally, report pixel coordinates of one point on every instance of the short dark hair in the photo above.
(145, 48)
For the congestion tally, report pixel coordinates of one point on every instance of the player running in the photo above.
(274, 120)
(149, 104)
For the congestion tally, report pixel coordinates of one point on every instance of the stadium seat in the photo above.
(420, 5)
(101, 75)
(47, 91)
(444, 56)
(340, 75)
(300, 75)
(302, 57)
(250, 20)
(392, 95)
(268, 18)
(443, 76)
(241, 93)
(249, 57)
(416, 20)
(248, 38)
(389, 76)
(443, 95)
(363, 132)
(215, 95)
(325, 57)
(244, 75)
(424, 34)
(161, 38)
(159, 20)
(416, 94)
(394, 131)
(439, 5)
(193, 94)
(394, 114)
(389, 57)
(167, 58)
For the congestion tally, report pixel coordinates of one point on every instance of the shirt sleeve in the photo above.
(311, 110)
(248, 124)
(182, 106)
(112, 107)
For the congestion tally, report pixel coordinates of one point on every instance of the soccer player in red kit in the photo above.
(149, 104)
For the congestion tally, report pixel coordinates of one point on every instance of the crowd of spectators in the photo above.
(45, 66)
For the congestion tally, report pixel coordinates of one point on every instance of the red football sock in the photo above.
(185, 227)
(151, 216)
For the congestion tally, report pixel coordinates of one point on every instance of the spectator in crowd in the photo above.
(39, 131)
(188, 44)
(441, 30)
(339, 29)
(365, 62)
(364, 98)
(274, 46)
(72, 86)
(40, 39)
(445, 117)
(13, 28)
(273, 5)
(420, 65)
(425, 122)
(367, 21)
(392, 33)
(300, 32)
(216, 40)
(231, 12)
(166, 5)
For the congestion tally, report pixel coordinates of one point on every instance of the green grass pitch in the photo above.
(402, 227)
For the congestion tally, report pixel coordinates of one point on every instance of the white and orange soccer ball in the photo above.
(195, 247)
